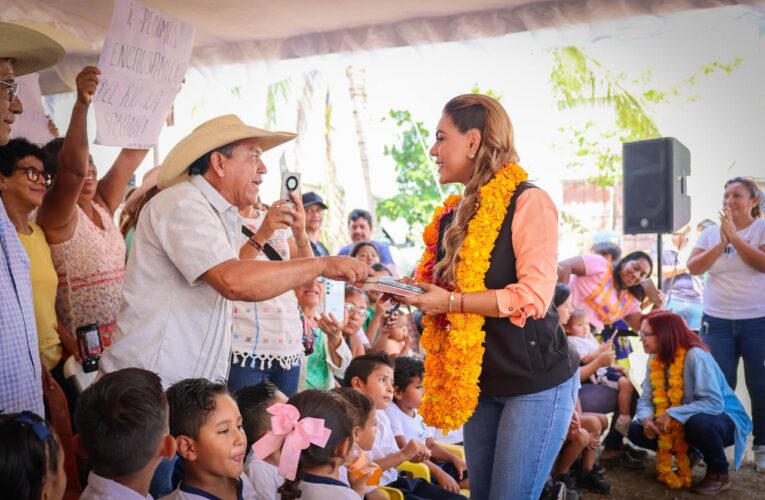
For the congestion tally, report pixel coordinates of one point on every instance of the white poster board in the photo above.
(33, 122)
(142, 65)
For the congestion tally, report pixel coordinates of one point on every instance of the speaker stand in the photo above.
(658, 261)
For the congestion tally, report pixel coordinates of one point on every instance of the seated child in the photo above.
(582, 440)
(253, 402)
(372, 374)
(362, 411)
(123, 425)
(583, 342)
(446, 468)
(207, 427)
(31, 458)
(312, 472)
(356, 312)
(386, 327)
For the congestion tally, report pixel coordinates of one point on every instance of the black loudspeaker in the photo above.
(655, 196)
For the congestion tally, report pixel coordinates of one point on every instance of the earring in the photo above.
(471, 156)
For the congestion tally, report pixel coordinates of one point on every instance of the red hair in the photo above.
(672, 333)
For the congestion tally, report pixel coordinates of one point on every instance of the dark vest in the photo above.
(516, 360)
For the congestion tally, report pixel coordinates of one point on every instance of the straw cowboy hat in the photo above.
(31, 50)
(208, 136)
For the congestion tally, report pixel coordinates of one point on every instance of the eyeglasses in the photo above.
(34, 175)
(645, 334)
(13, 88)
(361, 312)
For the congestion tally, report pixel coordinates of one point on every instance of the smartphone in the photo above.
(89, 342)
(333, 300)
(290, 184)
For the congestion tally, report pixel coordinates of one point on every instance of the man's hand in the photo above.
(345, 269)
(279, 216)
(298, 225)
(649, 428)
(87, 81)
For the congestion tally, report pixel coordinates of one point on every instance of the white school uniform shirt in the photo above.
(265, 477)
(325, 488)
(100, 488)
(410, 427)
(186, 492)
(172, 322)
(385, 444)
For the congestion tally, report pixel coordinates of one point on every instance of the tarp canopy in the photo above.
(233, 31)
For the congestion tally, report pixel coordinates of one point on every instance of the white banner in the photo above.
(33, 122)
(142, 65)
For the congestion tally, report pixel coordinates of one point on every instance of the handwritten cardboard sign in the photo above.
(142, 65)
(33, 122)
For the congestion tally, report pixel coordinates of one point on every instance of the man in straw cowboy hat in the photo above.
(22, 51)
(185, 267)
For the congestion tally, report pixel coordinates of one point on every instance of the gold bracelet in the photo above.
(451, 301)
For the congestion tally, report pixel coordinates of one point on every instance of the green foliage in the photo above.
(276, 91)
(581, 81)
(419, 192)
(489, 92)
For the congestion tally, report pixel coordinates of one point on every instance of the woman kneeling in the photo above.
(686, 406)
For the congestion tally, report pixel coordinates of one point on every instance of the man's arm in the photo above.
(254, 281)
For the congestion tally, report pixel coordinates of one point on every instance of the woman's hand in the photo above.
(331, 326)
(87, 81)
(662, 422)
(649, 428)
(434, 301)
(727, 227)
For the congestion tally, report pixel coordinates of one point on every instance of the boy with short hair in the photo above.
(254, 401)
(123, 430)
(207, 426)
(449, 470)
(372, 374)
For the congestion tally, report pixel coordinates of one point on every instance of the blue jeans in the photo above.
(709, 434)
(511, 442)
(244, 376)
(690, 311)
(741, 338)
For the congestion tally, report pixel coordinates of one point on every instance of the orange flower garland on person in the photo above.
(454, 342)
(672, 441)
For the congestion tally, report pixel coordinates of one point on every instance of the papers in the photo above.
(32, 124)
(142, 65)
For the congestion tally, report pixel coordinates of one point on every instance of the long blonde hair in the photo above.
(496, 149)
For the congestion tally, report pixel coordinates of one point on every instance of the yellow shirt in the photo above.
(44, 287)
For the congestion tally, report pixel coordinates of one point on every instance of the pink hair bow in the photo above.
(293, 434)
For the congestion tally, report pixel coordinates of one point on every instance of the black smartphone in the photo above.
(89, 341)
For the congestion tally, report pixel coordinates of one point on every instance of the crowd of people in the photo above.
(222, 373)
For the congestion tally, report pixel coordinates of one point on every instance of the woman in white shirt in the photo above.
(733, 324)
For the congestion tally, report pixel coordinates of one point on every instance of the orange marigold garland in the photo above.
(672, 441)
(454, 342)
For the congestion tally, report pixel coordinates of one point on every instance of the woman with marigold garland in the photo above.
(686, 405)
(489, 273)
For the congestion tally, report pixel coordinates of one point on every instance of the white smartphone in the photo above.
(334, 299)
(290, 184)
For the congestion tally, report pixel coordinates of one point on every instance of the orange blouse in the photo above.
(535, 242)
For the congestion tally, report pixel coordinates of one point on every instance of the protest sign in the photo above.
(33, 122)
(142, 65)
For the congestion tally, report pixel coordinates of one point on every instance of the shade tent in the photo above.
(232, 31)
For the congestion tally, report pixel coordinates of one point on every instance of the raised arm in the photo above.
(573, 265)
(112, 186)
(58, 213)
